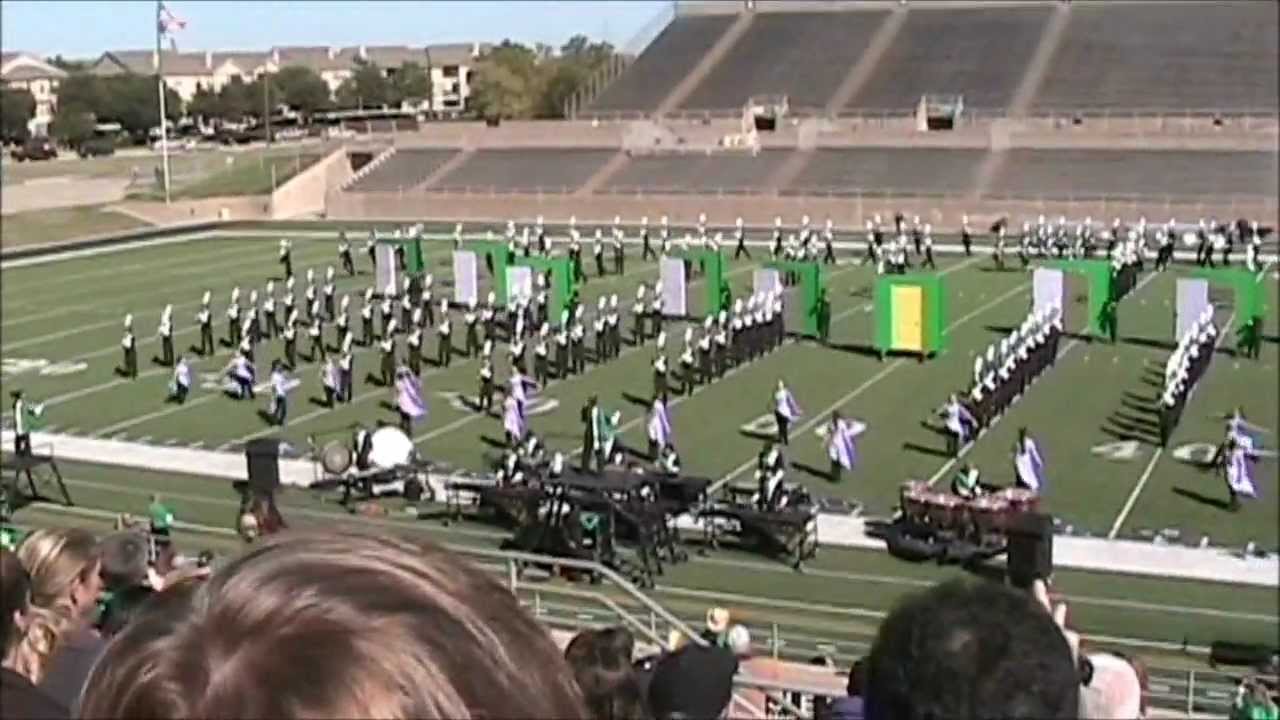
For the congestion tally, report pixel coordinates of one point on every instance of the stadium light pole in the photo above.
(164, 123)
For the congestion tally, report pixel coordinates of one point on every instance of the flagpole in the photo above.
(164, 123)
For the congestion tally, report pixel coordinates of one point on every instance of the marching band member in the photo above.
(469, 322)
(309, 295)
(366, 318)
(659, 426)
(370, 249)
(613, 332)
(272, 323)
(246, 340)
(513, 422)
(331, 381)
(965, 484)
(25, 417)
(385, 309)
(578, 340)
(785, 411)
(233, 317)
(484, 401)
(646, 251)
(660, 365)
(540, 234)
(928, 247)
(841, 449)
(619, 252)
(413, 347)
(181, 382)
(343, 320)
(637, 314)
(958, 421)
(515, 352)
(130, 345)
(598, 326)
(388, 348)
(281, 384)
(205, 319)
(740, 236)
(541, 372)
(562, 346)
(344, 254)
(346, 369)
(668, 462)
(769, 475)
(406, 305)
(409, 400)
(687, 374)
(327, 292)
(290, 339)
(966, 235)
(597, 251)
(655, 308)
(457, 236)
(428, 307)
(240, 372)
(1027, 462)
(165, 331)
(286, 256)
(316, 332)
(252, 324)
(444, 334)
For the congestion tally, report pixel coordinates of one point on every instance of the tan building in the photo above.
(185, 72)
(450, 67)
(30, 73)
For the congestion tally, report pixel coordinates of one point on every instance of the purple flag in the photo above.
(840, 444)
(512, 420)
(786, 404)
(1029, 465)
(410, 397)
(1240, 468)
(659, 424)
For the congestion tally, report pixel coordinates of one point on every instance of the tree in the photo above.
(132, 101)
(205, 104)
(72, 126)
(239, 99)
(410, 83)
(17, 107)
(81, 91)
(507, 82)
(71, 66)
(301, 89)
(367, 87)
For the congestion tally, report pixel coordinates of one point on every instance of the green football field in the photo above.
(62, 327)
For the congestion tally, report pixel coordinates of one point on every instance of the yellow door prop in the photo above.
(908, 316)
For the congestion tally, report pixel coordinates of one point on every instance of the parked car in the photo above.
(96, 147)
(36, 148)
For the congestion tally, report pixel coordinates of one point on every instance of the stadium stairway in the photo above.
(1036, 70)
(706, 64)
(861, 71)
(602, 176)
(441, 172)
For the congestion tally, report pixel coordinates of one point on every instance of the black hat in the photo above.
(16, 394)
(693, 682)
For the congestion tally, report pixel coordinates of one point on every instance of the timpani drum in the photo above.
(945, 512)
(911, 497)
(1020, 500)
(989, 514)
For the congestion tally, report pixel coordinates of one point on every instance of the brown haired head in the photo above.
(339, 625)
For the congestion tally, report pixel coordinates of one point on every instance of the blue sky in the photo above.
(84, 29)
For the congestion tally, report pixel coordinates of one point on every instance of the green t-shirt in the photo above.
(161, 516)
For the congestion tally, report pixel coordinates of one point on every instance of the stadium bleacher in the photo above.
(1165, 57)
(1089, 174)
(717, 173)
(780, 49)
(905, 171)
(548, 170)
(663, 64)
(978, 52)
(405, 169)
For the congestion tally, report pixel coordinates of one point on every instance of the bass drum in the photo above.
(335, 458)
(390, 448)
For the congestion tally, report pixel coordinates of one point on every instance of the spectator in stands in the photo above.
(20, 697)
(122, 608)
(971, 650)
(336, 625)
(717, 625)
(695, 681)
(62, 645)
(738, 641)
(1253, 702)
(602, 664)
(850, 706)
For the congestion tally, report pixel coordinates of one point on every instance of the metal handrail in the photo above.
(1195, 678)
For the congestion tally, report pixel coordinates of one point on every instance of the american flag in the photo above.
(169, 23)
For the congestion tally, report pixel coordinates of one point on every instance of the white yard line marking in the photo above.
(101, 250)
(1155, 457)
(950, 463)
(1133, 495)
(157, 263)
(822, 416)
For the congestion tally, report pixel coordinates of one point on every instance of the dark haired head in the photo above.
(970, 650)
(602, 665)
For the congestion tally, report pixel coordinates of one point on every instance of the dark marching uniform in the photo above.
(388, 347)
(344, 255)
(205, 318)
(485, 401)
(740, 234)
(444, 350)
(291, 340)
(130, 345)
(414, 347)
(166, 338)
